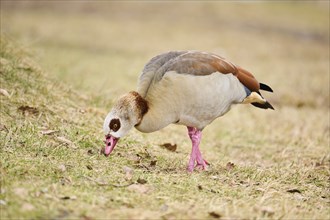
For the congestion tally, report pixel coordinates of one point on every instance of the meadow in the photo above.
(64, 63)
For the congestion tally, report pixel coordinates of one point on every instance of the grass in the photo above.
(63, 67)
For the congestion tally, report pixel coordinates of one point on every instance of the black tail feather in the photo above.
(265, 87)
(263, 106)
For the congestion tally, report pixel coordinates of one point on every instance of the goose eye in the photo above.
(114, 124)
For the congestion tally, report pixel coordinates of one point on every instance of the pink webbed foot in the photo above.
(201, 164)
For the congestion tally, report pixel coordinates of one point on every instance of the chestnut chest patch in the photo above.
(114, 124)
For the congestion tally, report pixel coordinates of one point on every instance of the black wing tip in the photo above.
(265, 87)
(266, 105)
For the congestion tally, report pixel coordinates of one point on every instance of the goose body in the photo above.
(190, 88)
(189, 100)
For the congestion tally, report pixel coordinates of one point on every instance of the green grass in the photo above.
(63, 67)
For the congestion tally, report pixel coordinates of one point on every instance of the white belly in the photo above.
(190, 100)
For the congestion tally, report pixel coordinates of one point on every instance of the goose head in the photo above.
(127, 112)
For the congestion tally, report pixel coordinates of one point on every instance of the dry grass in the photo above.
(86, 54)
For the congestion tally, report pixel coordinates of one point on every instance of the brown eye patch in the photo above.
(114, 124)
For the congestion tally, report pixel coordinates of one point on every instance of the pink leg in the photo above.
(196, 136)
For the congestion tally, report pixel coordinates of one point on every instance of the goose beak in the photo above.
(110, 143)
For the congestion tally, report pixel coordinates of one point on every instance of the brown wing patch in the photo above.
(247, 79)
(200, 63)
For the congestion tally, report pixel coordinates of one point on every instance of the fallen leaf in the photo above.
(141, 181)
(47, 132)
(90, 152)
(68, 197)
(4, 92)
(143, 189)
(169, 146)
(153, 163)
(215, 214)
(26, 110)
(230, 166)
(293, 191)
(213, 191)
(89, 167)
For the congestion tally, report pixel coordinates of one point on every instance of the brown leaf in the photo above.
(27, 110)
(230, 166)
(153, 163)
(141, 181)
(169, 146)
(215, 214)
(293, 191)
(68, 197)
(91, 152)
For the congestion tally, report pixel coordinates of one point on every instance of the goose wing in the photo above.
(151, 68)
(201, 63)
(193, 63)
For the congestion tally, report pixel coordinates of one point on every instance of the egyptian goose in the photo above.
(190, 88)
